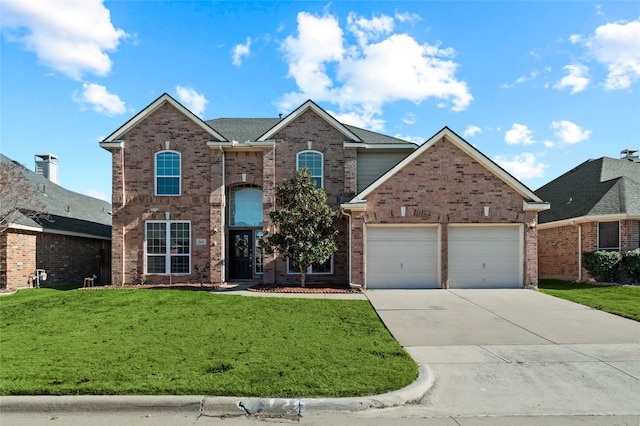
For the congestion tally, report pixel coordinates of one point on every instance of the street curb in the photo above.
(216, 406)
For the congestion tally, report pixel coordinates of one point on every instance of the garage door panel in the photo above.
(485, 257)
(402, 257)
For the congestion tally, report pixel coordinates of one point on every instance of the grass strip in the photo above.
(169, 342)
(620, 300)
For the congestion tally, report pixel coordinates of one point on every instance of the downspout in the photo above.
(123, 205)
(579, 250)
(350, 272)
(223, 210)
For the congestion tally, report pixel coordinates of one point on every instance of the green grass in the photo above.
(169, 342)
(619, 300)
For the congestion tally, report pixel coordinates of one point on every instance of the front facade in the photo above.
(595, 206)
(191, 200)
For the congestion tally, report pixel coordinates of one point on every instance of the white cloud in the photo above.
(617, 46)
(520, 80)
(366, 29)
(365, 120)
(523, 166)
(193, 100)
(577, 79)
(570, 133)
(549, 144)
(519, 134)
(380, 68)
(410, 119)
(70, 37)
(407, 17)
(240, 51)
(471, 131)
(418, 140)
(574, 38)
(100, 99)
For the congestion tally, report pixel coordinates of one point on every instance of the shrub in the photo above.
(632, 263)
(602, 265)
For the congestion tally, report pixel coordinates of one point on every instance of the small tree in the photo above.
(17, 195)
(306, 226)
(602, 264)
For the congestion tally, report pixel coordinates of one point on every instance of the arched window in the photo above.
(245, 206)
(312, 161)
(168, 171)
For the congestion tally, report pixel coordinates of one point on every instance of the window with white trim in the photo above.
(325, 268)
(168, 247)
(168, 173)
(312, 161)
(609, 236)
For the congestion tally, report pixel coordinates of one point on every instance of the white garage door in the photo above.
(402, 257)
(485, 257)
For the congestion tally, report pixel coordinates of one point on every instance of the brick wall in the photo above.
(69, 259)
(17, 258)
(445, 185)
(559, 255)
(339, 184)
(135, 202)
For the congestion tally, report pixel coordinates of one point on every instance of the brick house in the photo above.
(595, 206)
(69, 241)
(192, 195)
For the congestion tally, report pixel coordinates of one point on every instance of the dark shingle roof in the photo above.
(606, 186)
(250, 129)
(65, 211)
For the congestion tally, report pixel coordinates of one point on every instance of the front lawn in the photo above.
(170, 342)
(619, 300)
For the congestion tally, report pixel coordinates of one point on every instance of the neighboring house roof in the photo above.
(64, 211)
(532, 201)
(596, 188)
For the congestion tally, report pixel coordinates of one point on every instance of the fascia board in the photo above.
(301, 110)
(25, 227)
(354, 207)
(585, 219)
(112, 145)
(241, 146)
(75, 234)
(164, 98)
(535, 206)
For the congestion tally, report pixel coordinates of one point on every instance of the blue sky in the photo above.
(538, 87)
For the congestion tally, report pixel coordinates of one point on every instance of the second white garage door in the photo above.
(485, 256)
(402, 257)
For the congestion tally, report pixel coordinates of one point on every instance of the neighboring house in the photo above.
(69, 239)
(595, 206)
(190, 195)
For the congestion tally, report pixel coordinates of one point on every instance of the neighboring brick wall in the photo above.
(17, 258)
(559, 252)
(445, 185)
(559, 255)
(68, 259)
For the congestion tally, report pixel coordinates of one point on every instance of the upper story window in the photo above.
(312, 161)
(609, 236)
(168, 173)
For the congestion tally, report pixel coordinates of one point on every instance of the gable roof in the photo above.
(309, 105)
(150, 109)
(532, 200)
(66, 212)
(601, 187)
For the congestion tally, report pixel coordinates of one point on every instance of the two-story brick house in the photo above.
(189, 193)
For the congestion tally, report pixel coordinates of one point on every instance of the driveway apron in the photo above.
(515, 352)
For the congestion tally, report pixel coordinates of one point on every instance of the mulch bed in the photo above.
(265, 288)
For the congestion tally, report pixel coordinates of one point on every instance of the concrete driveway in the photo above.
(515, 352)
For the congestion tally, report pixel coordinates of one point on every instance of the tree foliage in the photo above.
(602, 265)
(305, 225)
(17, 195)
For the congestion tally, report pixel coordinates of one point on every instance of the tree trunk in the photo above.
(303, 276)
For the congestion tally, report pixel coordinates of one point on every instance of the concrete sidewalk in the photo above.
(515, 352)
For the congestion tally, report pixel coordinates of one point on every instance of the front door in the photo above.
(240, 248)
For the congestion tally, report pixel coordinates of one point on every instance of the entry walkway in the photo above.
(515, 352)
